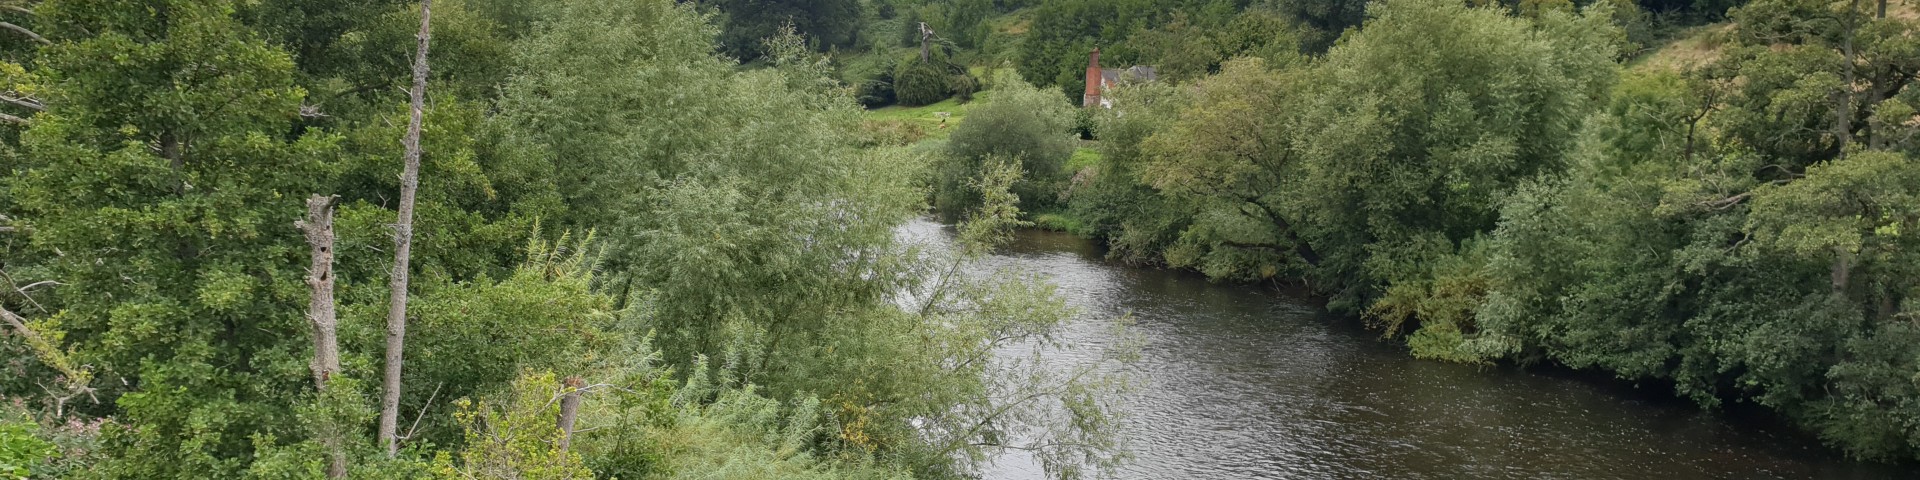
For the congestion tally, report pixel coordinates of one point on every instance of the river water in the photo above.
(1245, 382)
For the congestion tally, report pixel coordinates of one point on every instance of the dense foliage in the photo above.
(1487, 185)
(667, 221)
(604, 197)
(1022, 123)
(744, 23)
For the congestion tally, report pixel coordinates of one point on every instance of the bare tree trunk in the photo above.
(170, 149)
(1887, 307)
(320, 310)
(403, 246)
(925, 34)
(569, 409)
(1843, 107)
(1842, 270)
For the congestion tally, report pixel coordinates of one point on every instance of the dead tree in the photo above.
(926, 34)
(569, 409)
(318, 228)
(403, 245)
(1843, 98)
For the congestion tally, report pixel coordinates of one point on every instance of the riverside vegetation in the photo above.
(629, 258)
(1714, 200)
(656, 239)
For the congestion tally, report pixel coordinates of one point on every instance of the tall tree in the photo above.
(318, 228)
(403, 244)
(164, 169)
(1227, 155)
(1415, 127)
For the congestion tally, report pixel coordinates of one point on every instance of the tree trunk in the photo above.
(925, 34)
(320, 311)
(1888, 308)
(403, 246)
(1843, 100)
(170, 149)
(1842, 270)
(1300, 246)
(569, 409)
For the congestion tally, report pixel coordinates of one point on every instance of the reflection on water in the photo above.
(1241, 382)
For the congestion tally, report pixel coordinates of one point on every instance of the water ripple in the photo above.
(1240, 382)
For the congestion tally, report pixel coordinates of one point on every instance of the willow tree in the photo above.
(739, 219)
(1416, 126)
(1226, 154)
(1020, 122)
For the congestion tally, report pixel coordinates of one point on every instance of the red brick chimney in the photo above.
(1092, 96)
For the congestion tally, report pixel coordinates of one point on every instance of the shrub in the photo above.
(921, 83)
(21, 450)
(1021, 122)
(872, 78)
(876, 92)
(964, 86)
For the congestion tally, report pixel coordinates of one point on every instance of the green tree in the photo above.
(746, 23)
(1226, 156)
(1416, 126)
(1054, 51)
(1703, 236)
(923, 83)
(162, 168)
(1022, 122)
(1615, 306)
(22, 451)
(1179, 51)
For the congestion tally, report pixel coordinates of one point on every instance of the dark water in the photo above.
(1244, 382)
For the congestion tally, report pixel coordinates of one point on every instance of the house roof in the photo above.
(1137, 73)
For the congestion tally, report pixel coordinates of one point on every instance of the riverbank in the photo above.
(1056, 231)
(1245, 381)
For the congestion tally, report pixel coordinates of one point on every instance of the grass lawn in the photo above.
(1084, 156)
(925, 116)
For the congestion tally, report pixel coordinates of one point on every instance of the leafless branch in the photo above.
(23, 31)
(423, 410)
(24, 102)
(1726, 203)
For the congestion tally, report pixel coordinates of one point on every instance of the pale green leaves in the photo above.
(1851, 204)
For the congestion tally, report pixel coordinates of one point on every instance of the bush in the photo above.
(921, 83)
(872, 78)
(1083, 124)
(1021, 122)
(875, 93)
(964, 86)
(21, 449)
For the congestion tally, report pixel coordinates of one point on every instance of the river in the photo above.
(1246, 382)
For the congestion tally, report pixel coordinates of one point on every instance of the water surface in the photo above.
(1246, 382)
